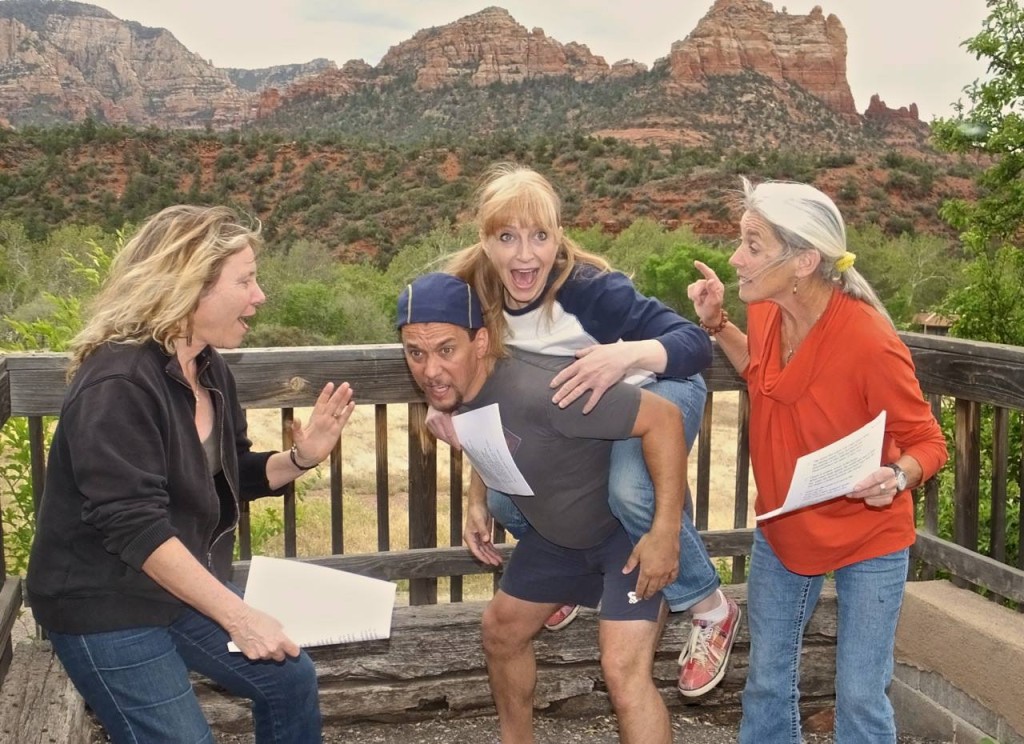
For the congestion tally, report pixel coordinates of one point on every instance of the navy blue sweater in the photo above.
(595, 307)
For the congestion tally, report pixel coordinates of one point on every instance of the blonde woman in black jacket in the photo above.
(149, 462)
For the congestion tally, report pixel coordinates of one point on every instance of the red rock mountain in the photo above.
(488, 47)
(63, 61)
(66, 61)
(749, 35)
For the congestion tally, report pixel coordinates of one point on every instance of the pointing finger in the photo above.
(706, 271)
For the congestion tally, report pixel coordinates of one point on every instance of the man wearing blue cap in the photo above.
(576, 551)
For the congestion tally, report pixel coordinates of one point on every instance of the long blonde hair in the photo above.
(515, 195)
(804, 218)
(157, 279)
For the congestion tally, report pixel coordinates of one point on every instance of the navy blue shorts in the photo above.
(540, 571)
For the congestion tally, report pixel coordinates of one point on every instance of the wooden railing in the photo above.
(965, 376)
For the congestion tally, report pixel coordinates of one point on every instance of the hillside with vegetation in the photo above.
(363, 159)
(356, 165)
(366, 199)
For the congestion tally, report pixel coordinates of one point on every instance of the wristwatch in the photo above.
(901, 477)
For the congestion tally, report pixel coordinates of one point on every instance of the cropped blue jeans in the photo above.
(631, 497)
(779, 605)
(137, 683)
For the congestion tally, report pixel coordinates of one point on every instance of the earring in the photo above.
(188, 338)
(795, 283)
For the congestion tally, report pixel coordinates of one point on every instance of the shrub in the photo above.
(17, 507)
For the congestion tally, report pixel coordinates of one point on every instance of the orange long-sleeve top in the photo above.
(849, 368)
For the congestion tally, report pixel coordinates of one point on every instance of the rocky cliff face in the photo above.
(332, 83)
(749, 35)
(279, 76)
(65, 60)
(878, 111)
(488, 47)
(735, 36)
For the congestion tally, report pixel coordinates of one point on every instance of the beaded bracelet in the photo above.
(711, 331)
(295, 461)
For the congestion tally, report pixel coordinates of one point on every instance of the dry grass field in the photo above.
(359, 485)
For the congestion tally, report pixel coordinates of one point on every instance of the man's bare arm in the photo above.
(477, 531)
(659, 424)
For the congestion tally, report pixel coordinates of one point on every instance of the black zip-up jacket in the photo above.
(126, 472)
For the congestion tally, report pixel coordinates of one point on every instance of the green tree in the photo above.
(667, 276)
(992, 123)
(910, 273)
(630, 249)
(989, 306)
(429, 253)
(352, 304)
(593, 238)
(299, 262)
(17, 513)
(53, 331)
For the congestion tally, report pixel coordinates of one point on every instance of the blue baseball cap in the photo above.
(440, 298)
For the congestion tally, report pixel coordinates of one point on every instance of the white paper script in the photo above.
(832, 471)
(318, 605)
(483, 440)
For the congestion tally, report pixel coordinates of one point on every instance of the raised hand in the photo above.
(707, 295)
(331, 412)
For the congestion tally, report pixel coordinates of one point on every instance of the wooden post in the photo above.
(422, 498)
(337, 500)
(967, 475)
(741, 497)
(455, 516)
(380, 416)
(287, 415)
(702, 505)
(37, 447)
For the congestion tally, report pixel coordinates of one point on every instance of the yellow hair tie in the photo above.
(845, 261)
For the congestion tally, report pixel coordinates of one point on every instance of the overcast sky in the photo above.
(905, 50)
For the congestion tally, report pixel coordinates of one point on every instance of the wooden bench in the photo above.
(433, 664)
(38, 703)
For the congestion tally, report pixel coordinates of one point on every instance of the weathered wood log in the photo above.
(433, 665)
(38, 703)
(10, 604)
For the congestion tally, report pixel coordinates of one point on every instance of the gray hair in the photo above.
(806, 219)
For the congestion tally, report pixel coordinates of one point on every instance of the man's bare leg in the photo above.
(627, 661)
(509, 625)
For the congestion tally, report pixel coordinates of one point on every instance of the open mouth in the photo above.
(524, 278)
(437, 391)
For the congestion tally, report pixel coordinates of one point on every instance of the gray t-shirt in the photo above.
(562, 453)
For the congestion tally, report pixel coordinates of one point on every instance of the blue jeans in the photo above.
(779, 605)
(137, 683)
(631, 497)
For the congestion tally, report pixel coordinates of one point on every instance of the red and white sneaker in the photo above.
(562, 617)
(704, 660)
